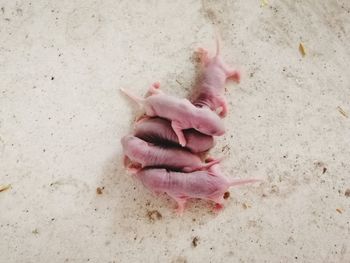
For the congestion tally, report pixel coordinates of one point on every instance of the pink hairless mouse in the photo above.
(159, 131)
(182, 113)
(209, 90)
(208, 184)
(147, 154)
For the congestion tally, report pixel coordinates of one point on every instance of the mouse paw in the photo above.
(156, 85)
(141, 119)
(134, 168)
(155, 89)
(223, 106)
(218, 208)
(234, 75)
(181, 201)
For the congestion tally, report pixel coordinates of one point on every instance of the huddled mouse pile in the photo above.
(166, 149)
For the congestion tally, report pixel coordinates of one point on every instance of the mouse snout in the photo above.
(216, 130)
(127, 138)
(219, 132)
(130, 140)
(123, 140)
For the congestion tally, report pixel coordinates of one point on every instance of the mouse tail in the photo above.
(211, 163)
(136, 99)
(218, 43)
(236, 182)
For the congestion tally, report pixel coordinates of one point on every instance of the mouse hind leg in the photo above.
(179, 132)
(180, 201)
(155, 89)
(218, 200)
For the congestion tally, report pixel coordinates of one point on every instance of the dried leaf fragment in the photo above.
(342, 112)
(302, 49)
(4, 187)
(339, 210)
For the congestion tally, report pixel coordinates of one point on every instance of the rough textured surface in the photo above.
(62, 117)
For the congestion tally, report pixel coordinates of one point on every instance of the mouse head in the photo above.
(130, 140)
(209, 123)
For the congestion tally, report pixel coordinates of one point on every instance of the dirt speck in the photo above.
(154, 215)
(195, 241)
(178, 82)
(99, 190)
(347, 192)
(195, 59)
(339, 210)
(274, 189)
(35, 231)
(226, 148)
(319, 164)
(342, 112)
(245, 206)
(226, 195)
(19, 11)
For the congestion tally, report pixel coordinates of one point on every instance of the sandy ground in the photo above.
(62, 116)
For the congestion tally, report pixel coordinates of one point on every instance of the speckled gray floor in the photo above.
(62, 116)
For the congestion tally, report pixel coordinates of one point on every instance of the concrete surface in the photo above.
(62, 116)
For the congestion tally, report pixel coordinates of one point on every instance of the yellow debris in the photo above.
(245, 205)
(263, 3)
(4, 187)
(302, 49)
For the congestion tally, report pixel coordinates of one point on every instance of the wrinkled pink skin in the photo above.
(210, 88)
(159, 131)
(181, 112)
(209, 184)
(147, 154)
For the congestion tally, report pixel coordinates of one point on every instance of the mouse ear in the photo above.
(154, 89)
